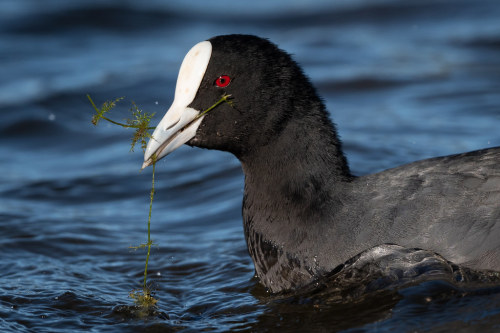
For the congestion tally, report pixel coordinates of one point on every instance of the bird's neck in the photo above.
(297, 170)
(290, 187)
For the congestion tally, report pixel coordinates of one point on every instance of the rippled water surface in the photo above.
(403, 81)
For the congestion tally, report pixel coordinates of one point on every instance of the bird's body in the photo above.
(447, 205)
(304, 213)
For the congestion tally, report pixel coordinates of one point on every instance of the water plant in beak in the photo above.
(173, 132)
(144, 296)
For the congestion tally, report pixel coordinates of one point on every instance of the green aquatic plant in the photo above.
(144, 297)
(139, 121)
(224, 98)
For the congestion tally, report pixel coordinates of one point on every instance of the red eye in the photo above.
(223, 81)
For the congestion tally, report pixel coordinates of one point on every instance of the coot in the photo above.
(304, 213)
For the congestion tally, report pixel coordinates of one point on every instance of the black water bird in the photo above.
(304, 213)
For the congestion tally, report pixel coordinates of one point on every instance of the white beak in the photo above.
(180, 123)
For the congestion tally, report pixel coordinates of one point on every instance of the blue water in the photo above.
(404, 80)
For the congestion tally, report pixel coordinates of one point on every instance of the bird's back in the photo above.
(450, 205)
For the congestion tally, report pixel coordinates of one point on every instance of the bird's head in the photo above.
(248, 85)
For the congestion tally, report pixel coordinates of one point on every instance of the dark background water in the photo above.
(404, 80)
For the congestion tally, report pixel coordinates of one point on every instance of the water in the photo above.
(404, 81)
